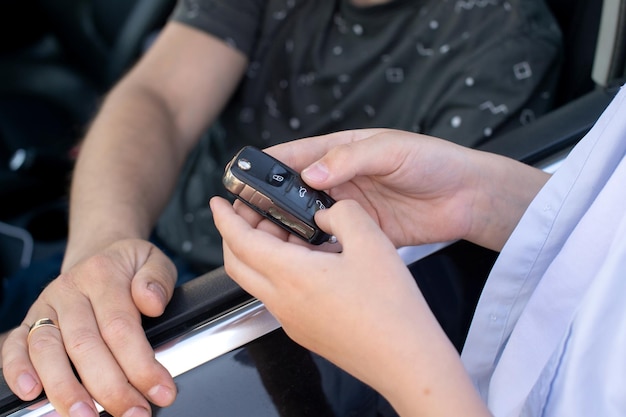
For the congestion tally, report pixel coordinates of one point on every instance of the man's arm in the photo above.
(127, 167)
(130, 159)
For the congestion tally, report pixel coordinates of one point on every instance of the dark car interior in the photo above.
(55, 68)
(53, 72)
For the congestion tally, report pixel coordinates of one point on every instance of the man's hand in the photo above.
(97, 305)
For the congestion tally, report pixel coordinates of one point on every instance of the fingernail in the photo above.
(82, 410)
(26, 383)
(318, 172)
(136, 412)
(158, 290)
(161, 395)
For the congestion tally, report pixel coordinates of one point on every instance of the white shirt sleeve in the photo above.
(554, 257)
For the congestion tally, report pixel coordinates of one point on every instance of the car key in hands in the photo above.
(277, 192)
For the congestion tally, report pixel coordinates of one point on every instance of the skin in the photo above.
(110, 273)
(353, 306)
(125, 173)
(395, 189)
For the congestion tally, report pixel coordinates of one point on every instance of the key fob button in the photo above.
(278, 176)
(321, 203)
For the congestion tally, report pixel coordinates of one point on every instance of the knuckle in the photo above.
(88, 270)
(118, 328)
(98, 262)
(43, 342)
(11, 369)
(117, 399)
(83, 341)
(114, 394)
(64, 394)
(341, 154)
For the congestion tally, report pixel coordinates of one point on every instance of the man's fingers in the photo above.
(42, 348)
(47, 353)
(153, 285)
(78, 344)
(132, 354)
(99, 336)
(17, 369)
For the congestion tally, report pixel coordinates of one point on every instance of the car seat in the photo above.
(51, 87)
(104, 37)
(52, 75)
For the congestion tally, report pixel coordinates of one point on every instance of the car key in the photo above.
(277, 192)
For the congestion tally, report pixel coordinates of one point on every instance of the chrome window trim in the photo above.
(240, 326)
(197, 346)
(552, 164)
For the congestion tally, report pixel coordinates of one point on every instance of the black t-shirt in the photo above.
(453, 69)
(457, 69)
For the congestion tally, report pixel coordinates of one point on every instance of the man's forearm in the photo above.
(124, 174)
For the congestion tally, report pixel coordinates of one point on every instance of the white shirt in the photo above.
(549, 334)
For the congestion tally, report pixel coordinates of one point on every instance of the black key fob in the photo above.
(277, 192)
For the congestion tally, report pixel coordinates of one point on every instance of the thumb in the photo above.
(153, 285)
(378, 154)
(352, 225)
